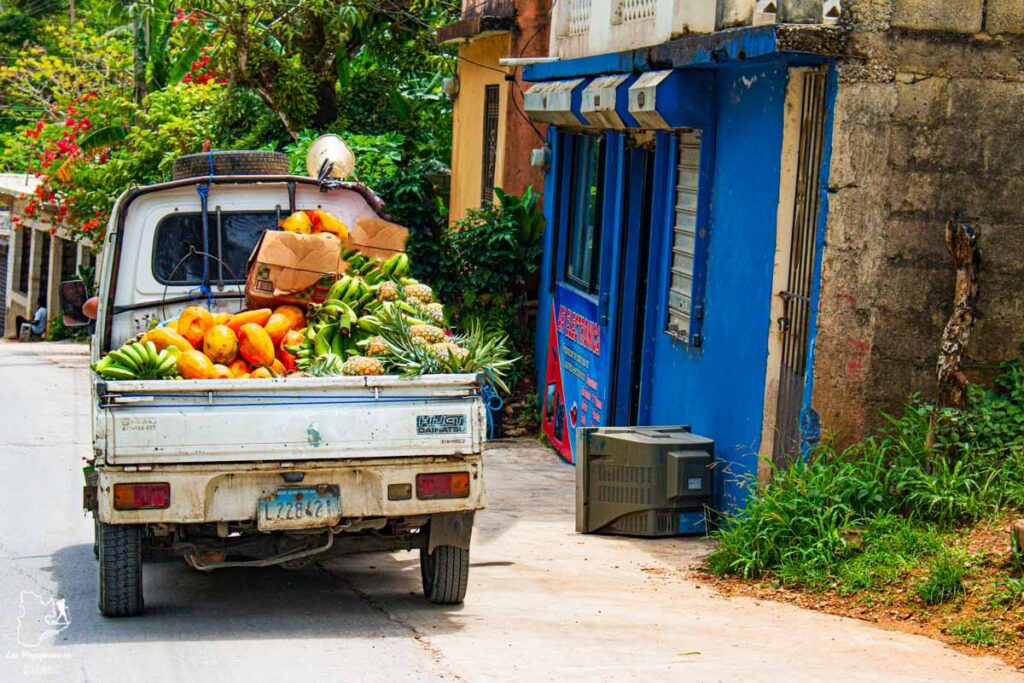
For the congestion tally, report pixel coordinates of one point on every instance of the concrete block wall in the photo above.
(927, 124)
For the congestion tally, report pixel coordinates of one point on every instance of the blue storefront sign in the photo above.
(576, 386)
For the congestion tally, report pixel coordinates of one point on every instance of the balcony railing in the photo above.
(589, 27)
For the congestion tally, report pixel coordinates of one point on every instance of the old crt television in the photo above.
(643, 481)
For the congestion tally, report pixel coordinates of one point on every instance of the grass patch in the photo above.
(820, 512)
(945, 580)
(882, 522)
(976, 631)
(1005, 593)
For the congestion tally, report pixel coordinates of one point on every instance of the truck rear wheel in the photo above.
(445, 574)
(120, 559)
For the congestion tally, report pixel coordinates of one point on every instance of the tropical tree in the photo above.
(299, 55)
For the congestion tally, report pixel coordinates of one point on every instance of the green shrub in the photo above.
(487, 263)
(57, 331)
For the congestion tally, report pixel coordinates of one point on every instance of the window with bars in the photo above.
(684, 307)
(579, 17)
(629, 11)
(492, 98)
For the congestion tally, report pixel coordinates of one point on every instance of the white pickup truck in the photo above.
(240, 472)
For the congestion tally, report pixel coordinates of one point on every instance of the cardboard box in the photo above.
(377, 237)
(290, 268)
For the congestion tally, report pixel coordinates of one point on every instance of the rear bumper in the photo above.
(229, 493)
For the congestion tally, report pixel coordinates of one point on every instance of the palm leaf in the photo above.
(100, 138)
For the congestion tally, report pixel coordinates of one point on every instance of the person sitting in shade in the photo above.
(38, 322)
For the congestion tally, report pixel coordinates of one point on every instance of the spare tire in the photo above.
(230, 163)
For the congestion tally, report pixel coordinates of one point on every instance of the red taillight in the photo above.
(142, 496)
(446, 485)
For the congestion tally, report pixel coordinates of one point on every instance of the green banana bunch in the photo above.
(338, 289)
(137, 360)
(323, 339)
(369, 323)
(395, 267)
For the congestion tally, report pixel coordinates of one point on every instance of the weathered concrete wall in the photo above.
(929, 123)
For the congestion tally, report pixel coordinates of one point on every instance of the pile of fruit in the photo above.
(375, 320)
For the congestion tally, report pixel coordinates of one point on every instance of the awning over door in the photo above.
(556, 102)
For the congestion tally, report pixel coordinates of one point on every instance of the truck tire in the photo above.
(120, 570)
(445, 574)
(230, 163)
(95, 537)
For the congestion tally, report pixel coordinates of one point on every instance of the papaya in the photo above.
(239, 368)
(259, 316)
(162, 337)
(277, 327)
(220, 344)
(193, 323)
(325, 222)
(221, 318)
(278, 368)
(298, 222)
(221, 371)
(261, 373)
(254, 344)
(294, 314)
(195, 365)
(291, 338)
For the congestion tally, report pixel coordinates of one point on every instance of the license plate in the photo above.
(300, 508)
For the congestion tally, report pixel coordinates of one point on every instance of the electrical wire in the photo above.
(506, 74)
(522, 93)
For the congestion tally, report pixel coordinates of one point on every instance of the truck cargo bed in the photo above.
(272, 420)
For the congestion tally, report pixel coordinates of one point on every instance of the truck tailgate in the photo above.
(187, 421)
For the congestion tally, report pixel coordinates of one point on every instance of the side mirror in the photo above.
(72, 297)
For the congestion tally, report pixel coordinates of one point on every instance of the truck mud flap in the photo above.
(450, 528)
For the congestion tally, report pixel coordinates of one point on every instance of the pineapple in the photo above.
(388, 291)
(376, 346)
(444, 349)
(434, 312)
(432, 334)
(361, 365)
(421, 293)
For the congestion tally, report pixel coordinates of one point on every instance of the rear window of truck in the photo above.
(178, 246)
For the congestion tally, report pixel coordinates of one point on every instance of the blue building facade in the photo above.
(685, 196)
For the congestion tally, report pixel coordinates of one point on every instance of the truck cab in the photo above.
(254, 473)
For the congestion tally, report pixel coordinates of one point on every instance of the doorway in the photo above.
(631, 281)
(794, 271)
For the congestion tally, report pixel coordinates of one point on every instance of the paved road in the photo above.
(544, 603)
